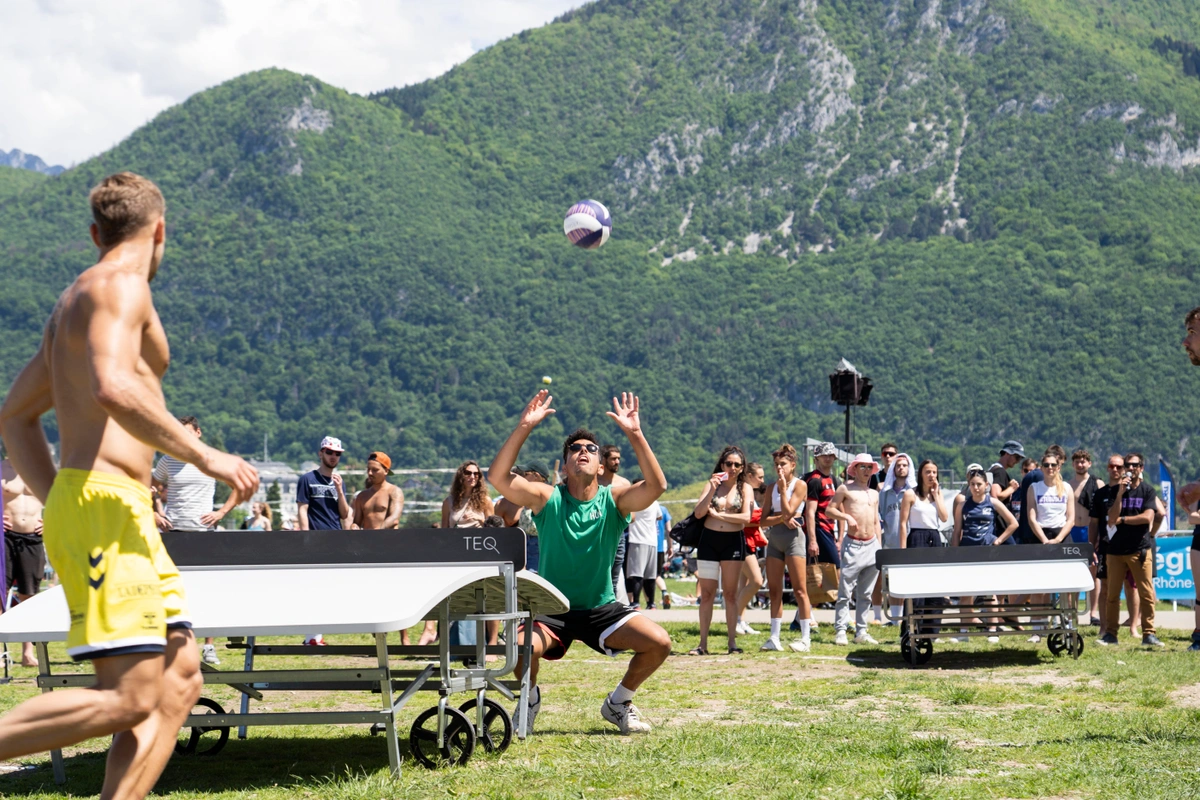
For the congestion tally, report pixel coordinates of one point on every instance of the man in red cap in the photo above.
(380, 505)
(856, 504)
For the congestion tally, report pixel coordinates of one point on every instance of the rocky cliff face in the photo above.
(21, 160)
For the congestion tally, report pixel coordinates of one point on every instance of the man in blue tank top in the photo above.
(580, 523)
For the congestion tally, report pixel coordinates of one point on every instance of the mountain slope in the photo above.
(985, 205)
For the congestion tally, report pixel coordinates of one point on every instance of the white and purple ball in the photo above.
(588, 224)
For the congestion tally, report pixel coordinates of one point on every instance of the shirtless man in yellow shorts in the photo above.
(100, 366)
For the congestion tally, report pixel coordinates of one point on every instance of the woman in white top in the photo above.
(467, 506)
(1051, 503)
(787, 545)
(922, 512)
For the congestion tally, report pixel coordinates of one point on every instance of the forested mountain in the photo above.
(989, 206)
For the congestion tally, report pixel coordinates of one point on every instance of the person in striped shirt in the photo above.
(184, 502)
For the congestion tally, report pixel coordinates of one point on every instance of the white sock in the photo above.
(621, 695)
(896, 611)
(878, 612)
(776, 624)
(739, 622)
(535, 695)
(804, 629)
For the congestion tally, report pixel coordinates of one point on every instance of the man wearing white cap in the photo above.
(321, 499)
(856, 504)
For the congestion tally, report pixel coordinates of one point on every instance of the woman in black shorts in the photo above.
(725, 509)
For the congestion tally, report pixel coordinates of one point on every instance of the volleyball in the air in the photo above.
(588, 224)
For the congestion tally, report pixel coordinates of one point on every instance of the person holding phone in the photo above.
(725, 508)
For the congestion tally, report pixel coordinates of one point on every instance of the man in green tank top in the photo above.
(579, 526)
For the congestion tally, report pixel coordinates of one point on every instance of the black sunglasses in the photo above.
(575, 447)
(471, 472)
(728, 463)
(332, 453)
(1049, 464)
(887, 455)
(1134, 465)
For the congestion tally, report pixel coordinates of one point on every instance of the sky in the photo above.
(78, 76)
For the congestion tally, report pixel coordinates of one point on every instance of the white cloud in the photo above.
(77, 76)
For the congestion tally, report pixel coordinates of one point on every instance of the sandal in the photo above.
(697, 651)
(734, 651)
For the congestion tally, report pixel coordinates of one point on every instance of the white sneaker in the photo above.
(625, 716)
(1034, 639)
(209, 655)
(801, 645)
(772, 644)
(993, 640)
(862, 637)
(745, 628)
(841, 639)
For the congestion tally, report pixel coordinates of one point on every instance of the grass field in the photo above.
(980, 721)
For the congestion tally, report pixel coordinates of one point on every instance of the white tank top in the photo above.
(923, 514)
(776, 507)
(1051, 505)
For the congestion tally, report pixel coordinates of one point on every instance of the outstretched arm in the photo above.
(514, 487)
(640, 495)
(21, 425)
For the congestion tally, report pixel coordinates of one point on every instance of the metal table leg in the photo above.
(248, 666)
(56, 757)
(385, 687)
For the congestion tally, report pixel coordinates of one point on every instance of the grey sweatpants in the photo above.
(858, 575)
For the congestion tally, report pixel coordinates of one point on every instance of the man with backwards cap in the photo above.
(856, 504)
(321, 499)
(380, 505)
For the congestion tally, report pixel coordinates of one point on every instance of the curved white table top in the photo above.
(278, 601)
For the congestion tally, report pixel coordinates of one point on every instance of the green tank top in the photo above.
(578, 544)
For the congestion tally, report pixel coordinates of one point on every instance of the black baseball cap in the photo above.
(1013, 447)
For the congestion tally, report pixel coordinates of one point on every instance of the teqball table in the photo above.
(935, 573)
(242, 585)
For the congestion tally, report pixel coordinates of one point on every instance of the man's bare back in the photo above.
(100, 366)
(374, 504)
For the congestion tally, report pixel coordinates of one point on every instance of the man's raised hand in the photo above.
(625, 413)
(538, 409)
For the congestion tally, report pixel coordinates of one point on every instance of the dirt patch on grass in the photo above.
(1034, 679)
(1187, 696)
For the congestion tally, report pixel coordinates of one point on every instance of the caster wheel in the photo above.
(1074, 644)
(459, 742)
(201, 740)
(1057, 643)
(497, 725)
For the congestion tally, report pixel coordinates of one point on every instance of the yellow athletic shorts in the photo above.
(122, 588)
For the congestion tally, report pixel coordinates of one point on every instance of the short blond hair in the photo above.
(123, 204)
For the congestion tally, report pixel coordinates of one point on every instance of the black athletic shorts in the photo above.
(1196, 538)
(721, 546)
(592, 626)
(662, 563)
(26, 562)
(1101, 561)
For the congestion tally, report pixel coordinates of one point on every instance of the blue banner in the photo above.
(1173, 571)
(1168, 492)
